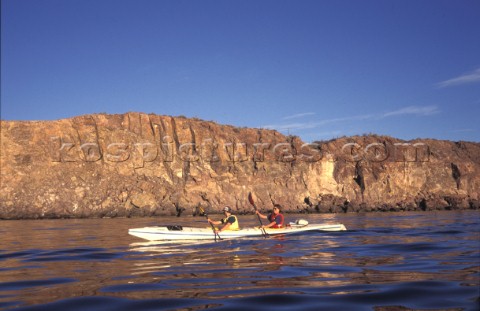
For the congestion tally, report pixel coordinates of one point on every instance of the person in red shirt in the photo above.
(275, 218)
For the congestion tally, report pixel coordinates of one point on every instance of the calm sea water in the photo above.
(385, 261)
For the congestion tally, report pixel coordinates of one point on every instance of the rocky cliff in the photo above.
(136, 164)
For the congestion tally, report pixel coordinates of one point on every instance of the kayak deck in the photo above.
(192, 233)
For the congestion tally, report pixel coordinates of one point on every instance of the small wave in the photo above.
(74, 254)
(25, 253)
(447, 232)
(411, 247)
(16, 285)
(135, 287)
(115, 304)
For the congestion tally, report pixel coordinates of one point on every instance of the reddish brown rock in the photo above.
(141, 165)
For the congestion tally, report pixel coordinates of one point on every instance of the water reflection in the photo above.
(232, 268)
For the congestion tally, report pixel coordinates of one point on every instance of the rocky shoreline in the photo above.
(138, 164)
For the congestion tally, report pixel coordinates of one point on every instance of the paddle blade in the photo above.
(251, 198)
(202, 211)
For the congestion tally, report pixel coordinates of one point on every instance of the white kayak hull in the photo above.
(162, 233)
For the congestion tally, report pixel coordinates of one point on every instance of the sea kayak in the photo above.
(162, 233)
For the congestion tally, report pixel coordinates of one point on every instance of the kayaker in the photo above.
(276, 218)
(230, 222)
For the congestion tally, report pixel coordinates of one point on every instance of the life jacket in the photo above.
(233, 226)
(272, 218)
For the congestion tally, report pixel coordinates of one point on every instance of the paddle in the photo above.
(215, 233)
(250, 199)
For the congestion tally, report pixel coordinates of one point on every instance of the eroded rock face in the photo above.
(136, 164)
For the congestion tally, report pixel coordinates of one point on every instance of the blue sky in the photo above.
(317, 69)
